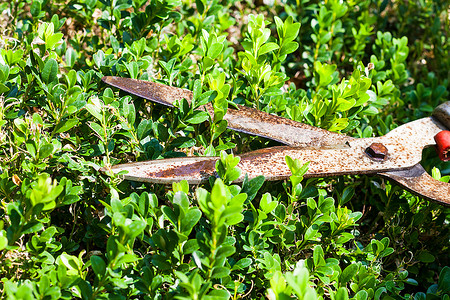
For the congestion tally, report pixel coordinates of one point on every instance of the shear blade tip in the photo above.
(105, 79)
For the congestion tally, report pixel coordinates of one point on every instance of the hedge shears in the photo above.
(396, 155)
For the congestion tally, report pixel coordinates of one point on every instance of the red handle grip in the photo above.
(443, 144)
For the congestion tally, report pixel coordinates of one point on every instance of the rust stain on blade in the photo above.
(193, 169)
(418, 181)
(287, 131)
(157, 92)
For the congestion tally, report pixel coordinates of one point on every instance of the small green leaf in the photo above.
(31, 148)
(33, 226)
(425, 257)
(220, 272)
(170, 215)
(342, 294)
(361, 295)
(267, 48)
(266, 204)
(133, 69)
(136, 228)
(3, 240)
(53, 40)
(318, 256)
(98, 130)
(190, 246)
(252, 187)
(225, 251)
(3, 88)
(143, 129)
(215, 50)
(242, 264)
(35, 8)
(37, 119)
(288, 48)
(71, 57)
(197, 117)
(98, 265)
(50, 71)
(190, 220)
(65, 125)
(99, 57)
(94, 107)
(311, 232)
(348, 273)
(444, 280)
(45, 150)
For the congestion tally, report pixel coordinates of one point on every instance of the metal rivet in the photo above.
(377, 151)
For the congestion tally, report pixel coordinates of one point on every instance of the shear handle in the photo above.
(418, 181)
(442, 113)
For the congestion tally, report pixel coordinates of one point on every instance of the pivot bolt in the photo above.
(377, 151)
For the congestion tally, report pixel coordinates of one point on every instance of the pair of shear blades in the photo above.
(396, 155)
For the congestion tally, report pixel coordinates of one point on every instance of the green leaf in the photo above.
(266, 204)
(3, 240)
(99, 57)
(136, 228)
(37, 119)
(444, 280)
(129, 112)
(267, 48)
(288, 48)
(45, 150)
(425, 257)
(197, 117)
(197, 90)
(133, 69)
(348, 273)
(311, 232)
(361, 295)
(65, 125)
(168, 212)
(143, 129)
(98, 265)
(33, 226)
(252, 187)
(183, 142)
(53, 40)
(31, 148)
(342, 294)
(50, 71)
(190, 220)
(220, 272)
(190, 246)
(35, 8)
(215, 50)
(292, 30)
(98, 130)
(325, 72)
(242, 264)
(225, 251)
(91, 3)
(217, 295)
(318, 256)
(3, 88)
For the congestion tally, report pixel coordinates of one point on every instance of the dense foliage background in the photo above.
(360, 67)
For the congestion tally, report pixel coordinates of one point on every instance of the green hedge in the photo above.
(359, 67)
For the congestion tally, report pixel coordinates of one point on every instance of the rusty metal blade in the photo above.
(404, 147)
(153, 91)
(418, 181)
(244, 119)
